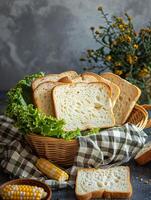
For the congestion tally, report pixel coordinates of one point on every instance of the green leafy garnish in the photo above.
(28, 118)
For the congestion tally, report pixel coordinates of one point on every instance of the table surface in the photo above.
(140, 176)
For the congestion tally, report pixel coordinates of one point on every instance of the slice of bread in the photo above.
(103, 183)
(83, 105)
(115, 90)
(53, 78)
(129, 94)
(144, 155)
(42, 96)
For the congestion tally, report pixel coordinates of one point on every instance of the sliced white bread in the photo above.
(129, 94)
(115, 90)
(103, 183)
(53, 78)
(83, 105)
(42, 97)
(144, 155)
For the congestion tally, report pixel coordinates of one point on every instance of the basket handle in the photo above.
(147, 107)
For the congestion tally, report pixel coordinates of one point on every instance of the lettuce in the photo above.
(29, 119)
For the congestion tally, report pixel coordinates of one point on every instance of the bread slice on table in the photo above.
(115, 90)
(129, 94)
(83, 105)
(42, 96)
(103, 183)
(53, 78)
(144, 155)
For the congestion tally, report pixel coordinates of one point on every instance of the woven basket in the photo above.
(62, 152)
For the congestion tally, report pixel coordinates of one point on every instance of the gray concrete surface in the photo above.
(50, 35)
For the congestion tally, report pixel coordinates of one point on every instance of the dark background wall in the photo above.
(50, 35)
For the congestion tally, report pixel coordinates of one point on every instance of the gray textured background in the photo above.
(50, 35)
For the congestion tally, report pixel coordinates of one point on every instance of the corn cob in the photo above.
(22, 192)
(51, 170)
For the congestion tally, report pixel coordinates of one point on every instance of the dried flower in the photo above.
(118, 72)
(123, 50)
(128, 39)
(135, 46)
(108, 58)
(131, 59)
(144, 72)
(121, 27)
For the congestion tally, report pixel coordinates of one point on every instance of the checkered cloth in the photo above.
(107, 148)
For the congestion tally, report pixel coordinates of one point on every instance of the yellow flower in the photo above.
(118, 72)
(135, 58)
(135, 46)
(124, 38)
(131, 59)
(128, 39)
(144, 72)
(121, 27)
(108, 58)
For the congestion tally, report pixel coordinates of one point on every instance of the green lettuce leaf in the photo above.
(28, 118)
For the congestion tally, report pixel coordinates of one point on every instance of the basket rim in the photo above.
(47, 138)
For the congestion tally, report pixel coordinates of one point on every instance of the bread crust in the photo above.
(35, 101)
(113, 86)
(144, 158)
(50, 75)
(133, 102)
(85, 75)
(105, 193)
(86, 127)
(79, 79)
(65, 79)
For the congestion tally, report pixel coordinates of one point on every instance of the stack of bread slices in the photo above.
(87, 100)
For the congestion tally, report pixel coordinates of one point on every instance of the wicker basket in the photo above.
(62, 152)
